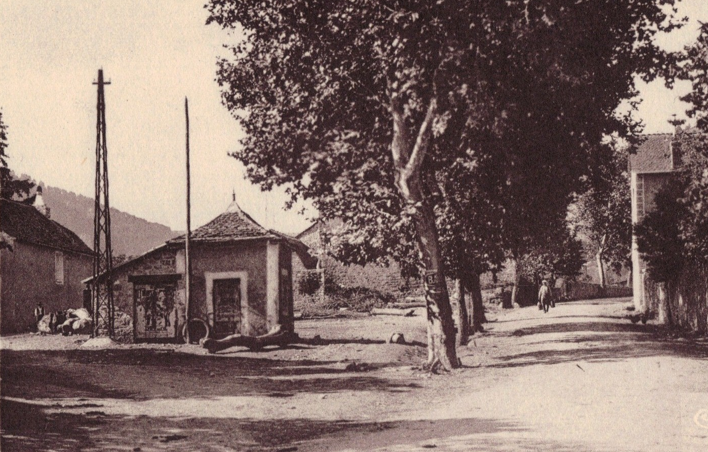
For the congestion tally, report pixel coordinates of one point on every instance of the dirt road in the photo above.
(580, 378)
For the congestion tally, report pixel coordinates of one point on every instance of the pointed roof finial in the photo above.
(233, 196)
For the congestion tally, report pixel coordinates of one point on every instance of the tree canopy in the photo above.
(676, 232)
(370, 108)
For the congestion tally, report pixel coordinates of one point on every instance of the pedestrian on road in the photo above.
(544, 296)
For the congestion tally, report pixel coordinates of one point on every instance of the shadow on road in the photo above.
(145, 373)
(31, 428)
(602, 341)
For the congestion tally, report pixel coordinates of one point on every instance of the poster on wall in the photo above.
(155, 314)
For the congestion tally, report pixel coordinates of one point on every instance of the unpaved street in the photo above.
(581, 378)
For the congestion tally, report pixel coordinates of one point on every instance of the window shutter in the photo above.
(59, 268)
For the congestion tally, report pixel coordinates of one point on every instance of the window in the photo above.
(59, 268)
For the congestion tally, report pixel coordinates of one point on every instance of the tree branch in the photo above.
(401, 140)
(423, 140)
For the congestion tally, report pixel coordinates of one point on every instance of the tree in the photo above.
(676, 232)
(359, 105)
(560, 255)
(10, 186)
(468, 218)
(604, 215)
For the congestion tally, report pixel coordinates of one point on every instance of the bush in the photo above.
(352, 299)
(308, 283)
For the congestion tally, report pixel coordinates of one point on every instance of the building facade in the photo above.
(41, 262)
(241, 281)
(650, 168)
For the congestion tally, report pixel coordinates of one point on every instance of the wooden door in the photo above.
(227, 306)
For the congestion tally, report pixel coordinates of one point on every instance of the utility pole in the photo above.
(102, 288)
(187, 260)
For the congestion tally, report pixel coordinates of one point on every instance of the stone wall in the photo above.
(682, 304)
(387, 280)
(160, 262)
(249, 257)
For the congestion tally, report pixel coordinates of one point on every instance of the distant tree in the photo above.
(11, 187)
(359, 105)
(560, 255)
(604, 215)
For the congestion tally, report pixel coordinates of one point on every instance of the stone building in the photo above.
(387, 280)
(41, 261)
(241, 281)
(650, 168)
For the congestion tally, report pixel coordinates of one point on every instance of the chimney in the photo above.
(39, 203)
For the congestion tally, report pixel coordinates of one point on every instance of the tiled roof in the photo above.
(235, 225)
(653, 155)
(232, 225)
(24, 223)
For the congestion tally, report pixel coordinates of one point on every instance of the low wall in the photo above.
(683, 303)
(584, 291)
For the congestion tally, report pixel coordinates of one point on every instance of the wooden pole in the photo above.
(187, 260)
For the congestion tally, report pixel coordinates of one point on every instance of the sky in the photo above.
(156, 53)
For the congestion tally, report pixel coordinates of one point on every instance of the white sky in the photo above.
(156, 53)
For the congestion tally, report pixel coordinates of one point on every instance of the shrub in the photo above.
(308, 283)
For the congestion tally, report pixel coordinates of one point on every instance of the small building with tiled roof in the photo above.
(41, 262)
(650, 168)
(241, 281)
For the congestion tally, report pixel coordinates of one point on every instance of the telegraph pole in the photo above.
(102, 288)
(187, 260)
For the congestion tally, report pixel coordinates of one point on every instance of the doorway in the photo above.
(227, 306)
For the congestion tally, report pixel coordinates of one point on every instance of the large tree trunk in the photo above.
(478, 317)
(408, 156)
(463, 317)
(600, 269)
(629, 278)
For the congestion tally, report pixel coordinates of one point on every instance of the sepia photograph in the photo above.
(354, 225)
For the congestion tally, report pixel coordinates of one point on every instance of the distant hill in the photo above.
(130, 235)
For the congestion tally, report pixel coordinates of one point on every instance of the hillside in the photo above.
(130, 235)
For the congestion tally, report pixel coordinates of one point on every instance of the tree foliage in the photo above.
(560, 256)
(603, 214)
(10, 185)
(385, 113)
(675, 234)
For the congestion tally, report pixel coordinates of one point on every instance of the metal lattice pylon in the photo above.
(102, 288)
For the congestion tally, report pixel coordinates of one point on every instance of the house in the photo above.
(241, 281)
(41, 261)
(650, 168)
(387, 280)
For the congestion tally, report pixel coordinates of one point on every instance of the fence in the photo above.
(682, 303)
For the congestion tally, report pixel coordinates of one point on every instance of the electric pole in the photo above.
(102, 288)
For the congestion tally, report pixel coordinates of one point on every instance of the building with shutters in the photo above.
(41, 262)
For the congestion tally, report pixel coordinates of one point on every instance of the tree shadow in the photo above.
(579, 327)
(614, 317)
(30, 427)
(322, 341)
(145, 373)
(614, 342)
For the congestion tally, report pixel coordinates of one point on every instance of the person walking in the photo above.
(544, 296)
